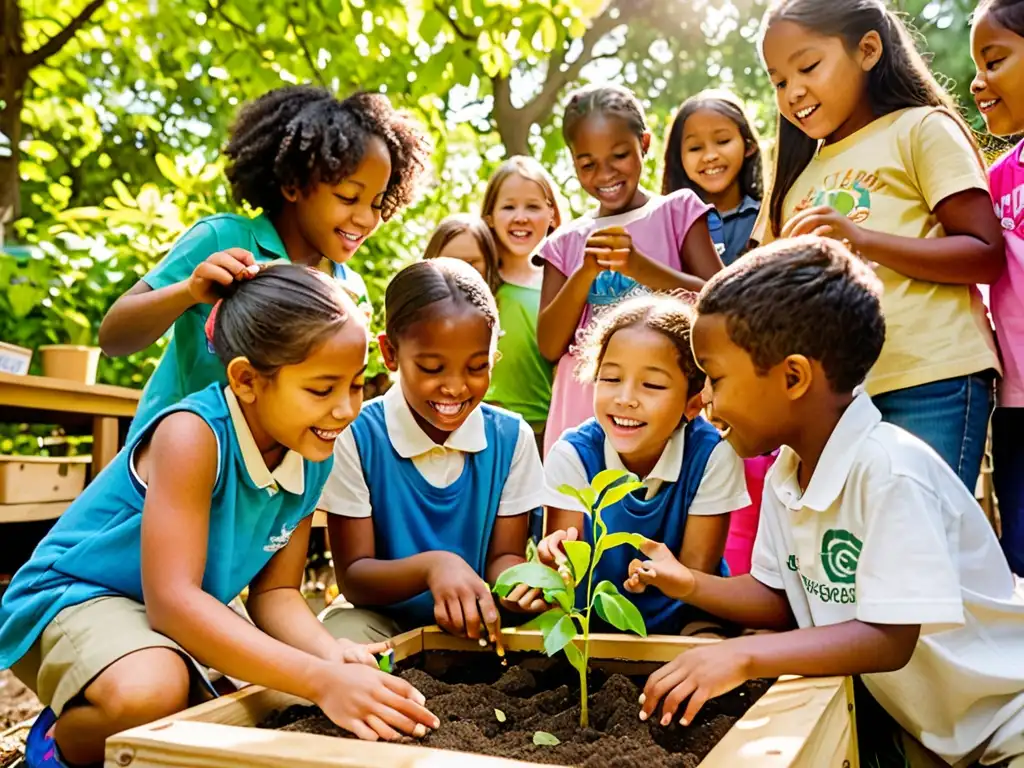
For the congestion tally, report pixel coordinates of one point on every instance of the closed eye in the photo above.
(431, 371)
(346, 200)
(810, 68)
(609, 380)
(320, 392)
(657, 387)
(991, 65)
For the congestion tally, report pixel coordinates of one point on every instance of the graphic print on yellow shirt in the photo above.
(889, 177)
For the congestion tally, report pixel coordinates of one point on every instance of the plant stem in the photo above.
(584, 718)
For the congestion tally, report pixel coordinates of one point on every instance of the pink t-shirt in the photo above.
(1006, 180)
(658, 229)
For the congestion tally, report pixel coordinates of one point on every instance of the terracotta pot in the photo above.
(68, 361)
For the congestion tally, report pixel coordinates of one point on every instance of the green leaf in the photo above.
(531, 551)
(123, 194)
(589, 496)
(619, 492)
(618, 539)
(530, 574)
(619, 612)
(545, 621)
(562, 596)
(579, 557)
(559, 635)
(385, 661)
(567, 490)
(572, 653)
(606, 477)
(169, 170)
(545, 739)
(40, 150)
(548, 32)
(500, 716)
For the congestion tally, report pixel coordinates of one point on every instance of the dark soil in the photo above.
(543, 695)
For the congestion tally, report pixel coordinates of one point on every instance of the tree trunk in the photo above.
(13, 77)
(514, 132)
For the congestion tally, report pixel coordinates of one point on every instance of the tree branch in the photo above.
(305, 50)
(58, 41)
(458, 30)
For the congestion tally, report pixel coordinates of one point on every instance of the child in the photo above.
(871, 153)
(467, 238)
(868, 542)
(128, 591)
(633, 243)
(521, 208)
(431, 490)
(324, 172)
(647, 397)
(713, 150)
(997, 44)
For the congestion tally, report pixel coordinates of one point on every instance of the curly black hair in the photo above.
(668, 315)
(300, 136)
(604, 100)
(1009, 14)
(805, 296)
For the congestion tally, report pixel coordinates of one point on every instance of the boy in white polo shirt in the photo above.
(868, 542)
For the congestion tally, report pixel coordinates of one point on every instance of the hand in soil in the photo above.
(349, 652)
(462, 600)
(523, 599)
(373, 705)
(697, 675)
(662, 570)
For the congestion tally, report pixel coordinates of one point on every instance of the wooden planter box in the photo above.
(798, 723)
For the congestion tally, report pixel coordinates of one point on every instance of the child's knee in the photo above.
(142, 687)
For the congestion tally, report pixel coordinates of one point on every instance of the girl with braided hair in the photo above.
(634, 243)
(324, 172)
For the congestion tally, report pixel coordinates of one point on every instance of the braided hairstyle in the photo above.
(300, 136)
(668, 315)
(605, 100)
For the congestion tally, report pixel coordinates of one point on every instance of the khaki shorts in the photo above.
(85, 639)
(359, 625)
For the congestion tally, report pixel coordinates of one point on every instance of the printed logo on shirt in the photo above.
(280, 541)
(848, 192)
(840, 551)
(793, 563)
(1009, 208)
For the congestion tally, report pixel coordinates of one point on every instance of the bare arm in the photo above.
(698, 255)
(704, 542)
(508, 544)
(562, 301)
(141, 316)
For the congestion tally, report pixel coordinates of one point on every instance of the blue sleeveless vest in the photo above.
(411, 516)
(662, 518)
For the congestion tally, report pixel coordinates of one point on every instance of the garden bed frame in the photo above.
(798, 723)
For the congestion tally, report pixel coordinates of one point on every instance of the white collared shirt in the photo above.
(290, 474)
(723, 488)
(886, 533)
(346, 492)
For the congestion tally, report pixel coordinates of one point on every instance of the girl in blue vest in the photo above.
(432, 489)
(647, 401)
(125, 600)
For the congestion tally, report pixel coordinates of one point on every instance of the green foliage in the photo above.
(545, 739)
(561, 625)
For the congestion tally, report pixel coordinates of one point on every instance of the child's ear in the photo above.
(388, 352)
(645, 142)
(291, 194)
(870, 50)
(799, 374)
(751, 149)
(694, 406)
(489, 221)
(242, 379)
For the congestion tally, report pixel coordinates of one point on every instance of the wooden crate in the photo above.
(798, 723)
(41, 479)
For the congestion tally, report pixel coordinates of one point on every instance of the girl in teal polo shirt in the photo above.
(124, 603)
(325, 173)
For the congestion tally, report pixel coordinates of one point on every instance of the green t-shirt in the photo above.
(521, 381)
(189, 363)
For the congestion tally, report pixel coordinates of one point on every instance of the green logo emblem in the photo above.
(793, 563)
(840, 551)
(854, 201)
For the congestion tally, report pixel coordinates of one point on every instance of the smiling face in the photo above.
(750, 408)
(714, 152)
(444, 364)
(522, 216)
(820, 85)
(609, 159)
(304, 407)
(998, 55)
(335, 219)
(640, 396)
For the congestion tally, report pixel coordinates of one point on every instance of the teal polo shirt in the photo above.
(189, 364)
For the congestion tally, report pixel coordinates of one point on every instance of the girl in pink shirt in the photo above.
(997, 45)
(635, 242)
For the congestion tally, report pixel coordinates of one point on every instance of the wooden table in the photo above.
(74, 406)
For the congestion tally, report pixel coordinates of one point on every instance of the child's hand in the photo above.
(699, 674)
(612, 249)
(824, 221)
(662, 570)
(524, 599)
(221, 268)
(373, 705)
(462, 600)
(551, 553)
(350, 652)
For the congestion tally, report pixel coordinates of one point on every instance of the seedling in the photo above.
(561, 625)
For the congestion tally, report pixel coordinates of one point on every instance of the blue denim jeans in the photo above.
(950, 415)
(1008, 478)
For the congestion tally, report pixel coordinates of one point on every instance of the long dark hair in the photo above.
(1007, 13)
(727, 105)
(899, 80)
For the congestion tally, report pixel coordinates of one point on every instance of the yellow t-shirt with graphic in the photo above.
(889, 177)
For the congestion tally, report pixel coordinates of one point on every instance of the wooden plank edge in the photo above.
(800, 722)
(32, 510)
